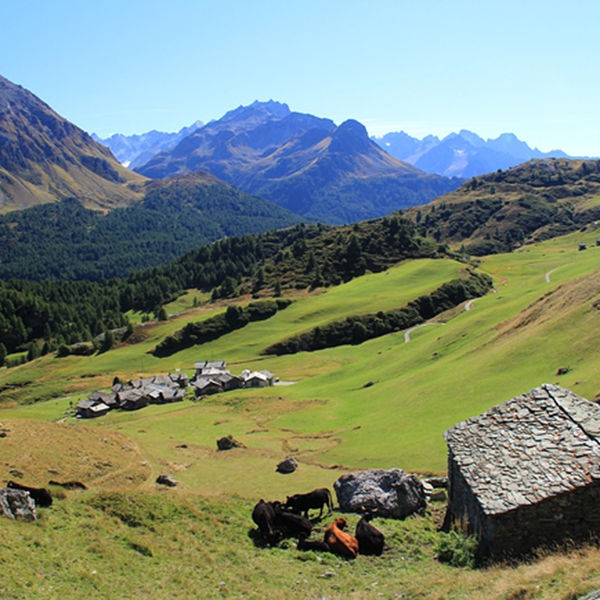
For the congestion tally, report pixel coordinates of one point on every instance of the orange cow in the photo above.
(339, 541)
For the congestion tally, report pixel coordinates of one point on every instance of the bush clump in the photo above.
(235, 317)
(457, 549)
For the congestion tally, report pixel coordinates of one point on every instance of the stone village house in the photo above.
(526, 473)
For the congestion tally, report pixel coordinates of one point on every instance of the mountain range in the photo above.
(303, 163)
(462, 154)
(44, 157)
(136, 150)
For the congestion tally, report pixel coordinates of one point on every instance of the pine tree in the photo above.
(2, 353)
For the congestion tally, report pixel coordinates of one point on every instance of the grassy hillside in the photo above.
(543, 316)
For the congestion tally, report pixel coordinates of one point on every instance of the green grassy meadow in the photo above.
(507, 343)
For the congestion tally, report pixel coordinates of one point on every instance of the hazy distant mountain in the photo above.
(44, 158)
(136, 150)
(462, 154)
(303, 163)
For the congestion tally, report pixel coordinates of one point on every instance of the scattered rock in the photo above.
(563, 370)
(16, 473)
(181, 446)
(368, 384)
(437, 482)
(427, 487)
(17, 504)
(438, 495)
(228, 442)
(383, 492)
(289, 465)
(165, 479)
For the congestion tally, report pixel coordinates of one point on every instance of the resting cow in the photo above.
(370, 539)
(264, 516)
(315, 499)
(290, 524)
(339, 541)
(41, 496)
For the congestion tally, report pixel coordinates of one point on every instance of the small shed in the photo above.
(88, 409)
(256, 379)
(205, 385)
(526, 473)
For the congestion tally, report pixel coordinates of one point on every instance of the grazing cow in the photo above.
(41, 496)
(339, 541)
(315, 499)
(264, 516)
(69, 485)
(289, 524)
(370, 539)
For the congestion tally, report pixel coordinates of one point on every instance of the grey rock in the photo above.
(17, 504)
(383, 492)
(289, 465)
(167, 480)
(437, 482)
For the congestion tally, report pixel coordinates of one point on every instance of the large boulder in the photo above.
(17, 504)
(289, 465)
(383, 492)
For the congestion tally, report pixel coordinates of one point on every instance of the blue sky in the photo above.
(530, 67)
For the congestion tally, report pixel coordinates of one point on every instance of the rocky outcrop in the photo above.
(383, 492)
(17, 504)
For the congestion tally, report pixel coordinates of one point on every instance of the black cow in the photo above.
(264, 516)
(289, 524)
(41, 496)
(315, 499)
(370, 539)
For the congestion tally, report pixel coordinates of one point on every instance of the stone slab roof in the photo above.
(537, 445)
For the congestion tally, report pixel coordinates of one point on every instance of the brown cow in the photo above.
(339, 541)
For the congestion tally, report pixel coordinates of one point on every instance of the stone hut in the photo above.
(526, 473)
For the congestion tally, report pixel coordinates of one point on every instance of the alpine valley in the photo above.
(385, 304)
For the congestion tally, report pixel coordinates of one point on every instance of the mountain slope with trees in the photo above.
(69, 312)
(65, 240)
(500, 211)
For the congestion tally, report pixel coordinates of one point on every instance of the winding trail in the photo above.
(469, 304)
(549, 273)
(407, 332)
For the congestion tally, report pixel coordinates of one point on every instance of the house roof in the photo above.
(208, 364)
(537, 445)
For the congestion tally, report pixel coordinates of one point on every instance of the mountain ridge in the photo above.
(304, 163)
(462, 154)
(44, 157)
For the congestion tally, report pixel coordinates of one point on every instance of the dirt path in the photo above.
(407, 332)
(469, 304)
(550, 273)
